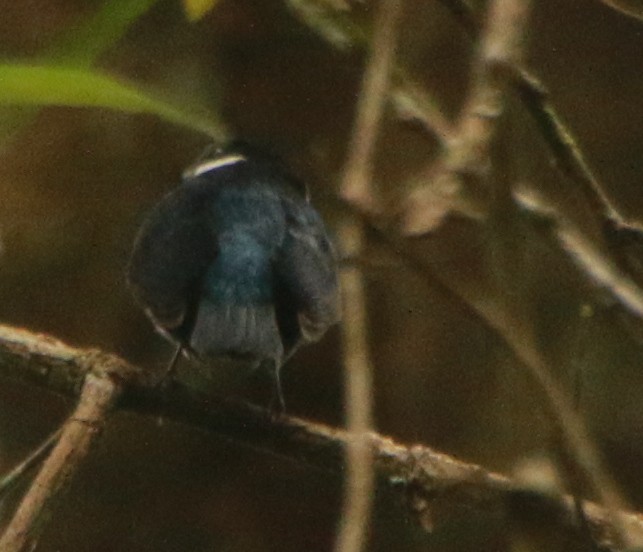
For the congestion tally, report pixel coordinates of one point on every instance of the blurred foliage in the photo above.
(75, 184)
(80, 46)
(196, 9)
(51, 85)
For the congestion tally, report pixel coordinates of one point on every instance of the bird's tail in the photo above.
(237, 331)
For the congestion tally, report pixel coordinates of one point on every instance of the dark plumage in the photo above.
(236, 262)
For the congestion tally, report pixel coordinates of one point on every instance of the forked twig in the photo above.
(96, 399)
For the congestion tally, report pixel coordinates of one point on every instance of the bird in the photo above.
(237, 263)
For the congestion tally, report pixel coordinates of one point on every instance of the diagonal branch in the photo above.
(81, 430)
(631, 8)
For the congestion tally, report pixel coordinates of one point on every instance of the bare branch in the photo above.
(445, 194)
(79, 432)
(356, 188)
(359, 485)
(591, 254)
(631, 8)
(438, 488)
(448, 195)
(356, 182)
(328, 21)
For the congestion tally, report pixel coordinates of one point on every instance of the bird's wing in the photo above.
(171, 255)
(306, 269)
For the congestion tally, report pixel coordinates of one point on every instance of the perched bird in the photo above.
(236, 262)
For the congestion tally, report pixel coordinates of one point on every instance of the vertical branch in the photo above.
(502, 44)
(358, 384)
(79, 432)
(356, 183)
(357, 190)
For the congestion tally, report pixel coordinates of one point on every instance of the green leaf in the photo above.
(34, 85)
(80, 46)
(196, 9)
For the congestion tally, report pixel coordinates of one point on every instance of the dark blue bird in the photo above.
(236, 262)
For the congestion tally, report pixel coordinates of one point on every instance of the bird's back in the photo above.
(236, 312)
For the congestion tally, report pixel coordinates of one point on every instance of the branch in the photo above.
(631, 8)
(451, 184)
(516, 332)
(499, 67)
(357, 188)
(586, 250)
(81, 430)
(437, 488)
(467, 162)
(100, 378)
(356, 183)
(17, 474)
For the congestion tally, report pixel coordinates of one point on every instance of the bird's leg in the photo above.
(170, 370)
(277, 403)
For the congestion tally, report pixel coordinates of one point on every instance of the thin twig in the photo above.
(468, 157)
(501, 51)
(328, 21)
(562, 145)
(526, 85)
(558, 137)
(412, 103)
(17, 474)
(586, 250)
(589, 252)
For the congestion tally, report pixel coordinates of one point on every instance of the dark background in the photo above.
(76, 183)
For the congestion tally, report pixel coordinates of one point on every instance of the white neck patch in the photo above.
(214, 164)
